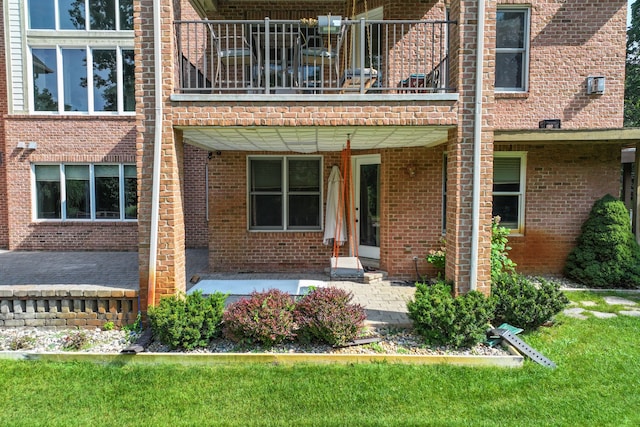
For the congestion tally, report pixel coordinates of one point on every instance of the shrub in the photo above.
(189, 321)
(524, 304)
(75, 341)
(327, 315)
(606, 254)
(265, 318)
(444, 320)
(500, 261)
(25, 342)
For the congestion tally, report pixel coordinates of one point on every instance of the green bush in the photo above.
(500, 261)
(327, 315)
(521, 303)
(265, 318)
(189, 321)
(444, 320)
(606, 254)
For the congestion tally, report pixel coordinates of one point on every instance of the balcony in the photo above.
(312, 59)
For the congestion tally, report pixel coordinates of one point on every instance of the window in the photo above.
(508, 189)
(88, 192)
(285, 193)
(90, 80)
(512, 49)
(72, 15)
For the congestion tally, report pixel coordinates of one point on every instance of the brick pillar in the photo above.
(460, 165)
(170, 265)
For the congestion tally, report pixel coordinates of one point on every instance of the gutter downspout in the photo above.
(477, 149)
(157, 155)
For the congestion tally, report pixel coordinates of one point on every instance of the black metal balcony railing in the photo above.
(276, 56)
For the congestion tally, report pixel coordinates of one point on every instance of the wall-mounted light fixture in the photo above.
(595, 85)
(31, 145)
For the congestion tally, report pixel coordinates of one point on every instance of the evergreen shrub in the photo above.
(606, 254)
(263, 318)
(527, 305)
(442, 319)
(327, 315)
(189, 321)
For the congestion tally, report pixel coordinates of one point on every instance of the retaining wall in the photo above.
(63, 308)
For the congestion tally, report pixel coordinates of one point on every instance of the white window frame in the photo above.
(92, 192)
(522, 155)
(60, 79)
(285, 194)
(525, 49)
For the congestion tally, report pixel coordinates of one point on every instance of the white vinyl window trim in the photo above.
(520, 194)
(525, 49)
(285, 193)
(92, 192)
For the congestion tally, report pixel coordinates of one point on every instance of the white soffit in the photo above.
(311, 139)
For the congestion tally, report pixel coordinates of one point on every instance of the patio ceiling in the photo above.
(311, 139)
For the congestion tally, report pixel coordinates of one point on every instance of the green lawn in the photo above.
(597, 383)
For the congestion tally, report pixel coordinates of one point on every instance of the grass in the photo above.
(595, 384)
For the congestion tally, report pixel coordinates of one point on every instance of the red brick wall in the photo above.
(195, 197)
(65, 140)
(4, 229)
(372, 113)
(570, 40)
(411, 217)
(563, 182)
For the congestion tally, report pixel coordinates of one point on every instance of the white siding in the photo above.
(16, 57)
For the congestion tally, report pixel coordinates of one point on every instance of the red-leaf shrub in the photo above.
(265, 318)
(327, 315)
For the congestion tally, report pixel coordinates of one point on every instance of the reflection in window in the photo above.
(126, 14)
(291, 182)
(102, 14)
(130, 192)
(108, 96)
(511, 48)
(42, 15)
(99, 192)
(107, 192)
(45, 80)
(48, 191)
(71, 14)
(74, 66)
(508, 189)
(128, 81)
(105, 87)
(77, 190)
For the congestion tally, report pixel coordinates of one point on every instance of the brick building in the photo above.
(242, 108)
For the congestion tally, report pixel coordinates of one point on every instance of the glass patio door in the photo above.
(366, 173)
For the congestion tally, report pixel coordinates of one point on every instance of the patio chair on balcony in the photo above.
(236, 62)
(355, 78)
(420, 82)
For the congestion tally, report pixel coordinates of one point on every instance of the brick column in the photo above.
(170, 266)
(460, 165)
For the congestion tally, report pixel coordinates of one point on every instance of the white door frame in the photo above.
(356, 161)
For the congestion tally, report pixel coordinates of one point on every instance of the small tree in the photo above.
(606, 254)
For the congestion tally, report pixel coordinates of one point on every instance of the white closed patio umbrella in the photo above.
(333, 230)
